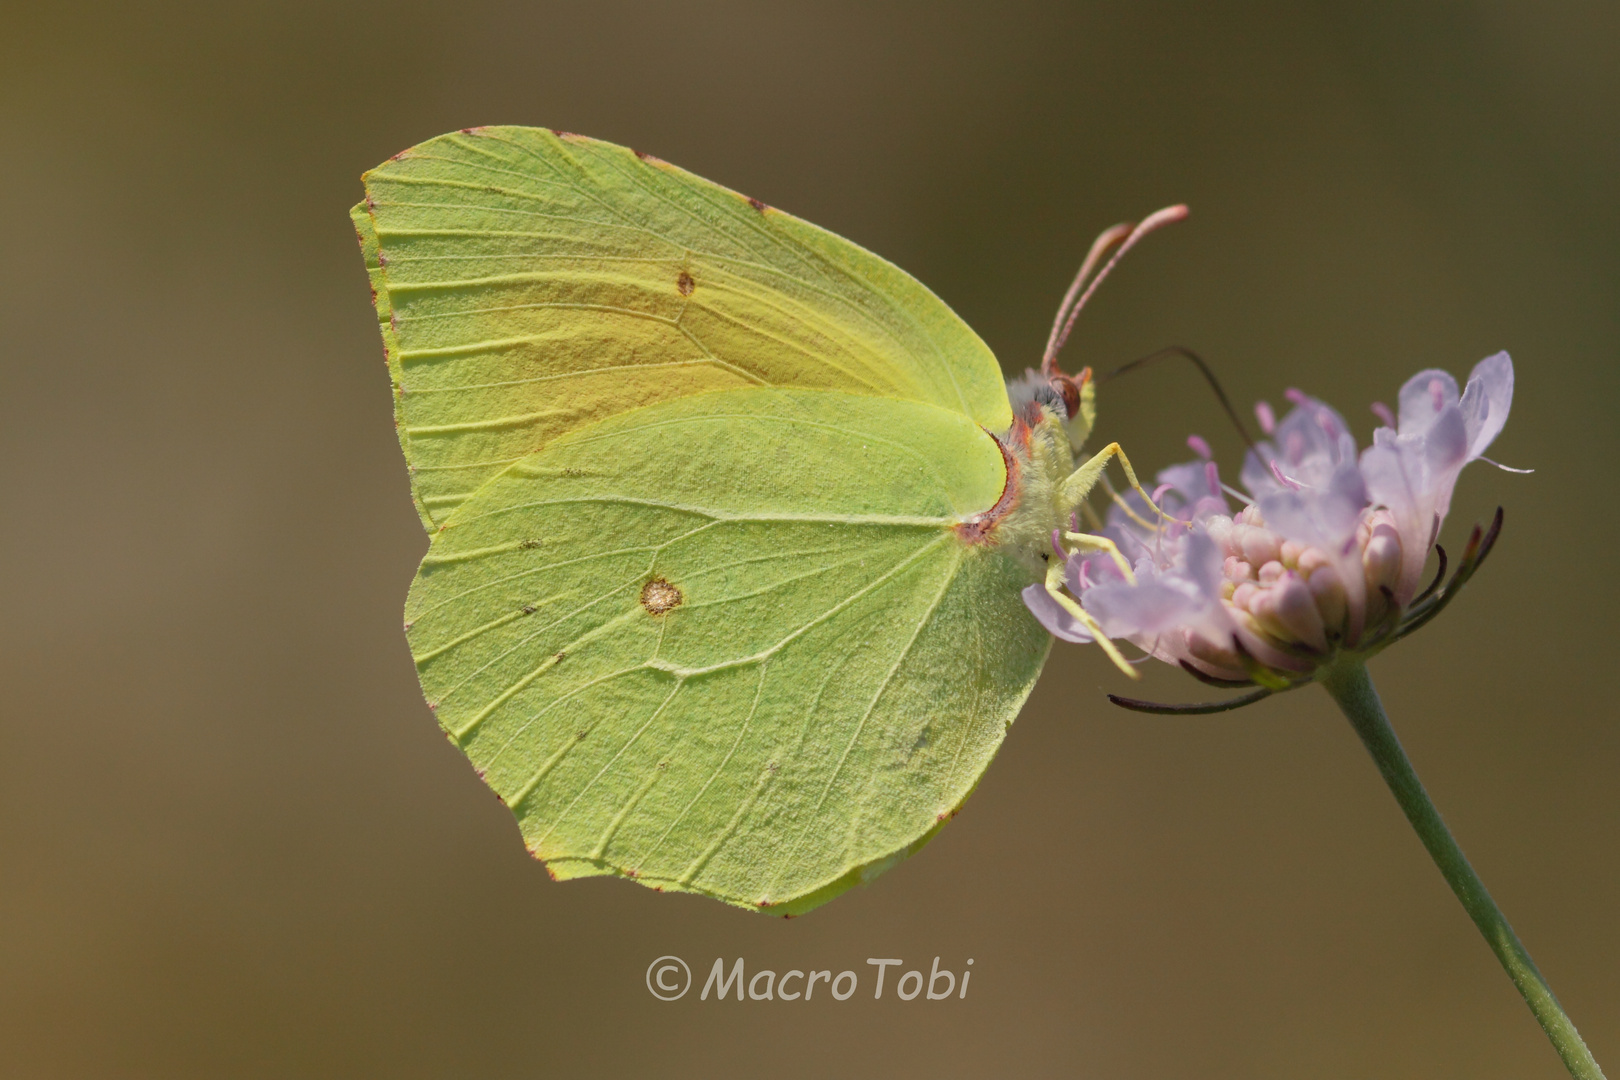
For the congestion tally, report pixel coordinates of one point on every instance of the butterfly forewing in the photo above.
(531, 283)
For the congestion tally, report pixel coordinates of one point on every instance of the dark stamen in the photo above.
(1202, 709)
(1204, 368)
(1479, 546)
(1489, 542)
(1439, 576)
(1392, 614)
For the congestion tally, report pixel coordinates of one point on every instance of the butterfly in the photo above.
(729, 517)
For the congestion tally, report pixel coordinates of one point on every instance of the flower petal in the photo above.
(1400, 478)
(1486, 401)
(1423, 397)
(1203, 566)
(1311, 442)
(1445, 447)
(1321, 518)
(1189, 480)
(1383, 468)
(1050, 614)
(1147, 608)
(1185, 597)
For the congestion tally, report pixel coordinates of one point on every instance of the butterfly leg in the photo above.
(1088, 542)
(1080, 482)
(1126, 508)
(1054, 587)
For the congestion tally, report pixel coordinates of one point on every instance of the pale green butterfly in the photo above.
(730, 517)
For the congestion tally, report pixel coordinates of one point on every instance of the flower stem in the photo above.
(1351, 687)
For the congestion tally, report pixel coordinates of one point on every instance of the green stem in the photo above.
(1350, 685)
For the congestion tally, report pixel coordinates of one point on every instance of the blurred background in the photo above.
(232, 839)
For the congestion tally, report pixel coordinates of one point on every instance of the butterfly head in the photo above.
(1071, 399)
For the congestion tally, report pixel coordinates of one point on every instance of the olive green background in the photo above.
(233, 842)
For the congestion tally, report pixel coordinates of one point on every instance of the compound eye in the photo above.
(1069, 391)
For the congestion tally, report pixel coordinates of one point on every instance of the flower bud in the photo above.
(1296, 610)
(1217, 657)
(1328, 592)
(1382, 558)
(1312, 560)
(1260, 546)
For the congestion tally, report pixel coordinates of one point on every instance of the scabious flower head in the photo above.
(1326, 554)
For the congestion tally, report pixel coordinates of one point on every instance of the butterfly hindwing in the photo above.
(731, 644)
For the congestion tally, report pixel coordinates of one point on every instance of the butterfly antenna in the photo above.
(1099, 247)
(1072, 304)
(1203, 369)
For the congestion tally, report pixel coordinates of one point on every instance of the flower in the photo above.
(1326, 556)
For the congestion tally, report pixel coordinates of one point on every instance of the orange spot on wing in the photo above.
(659, 596)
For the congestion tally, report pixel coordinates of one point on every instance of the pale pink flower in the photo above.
(1327, 554)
